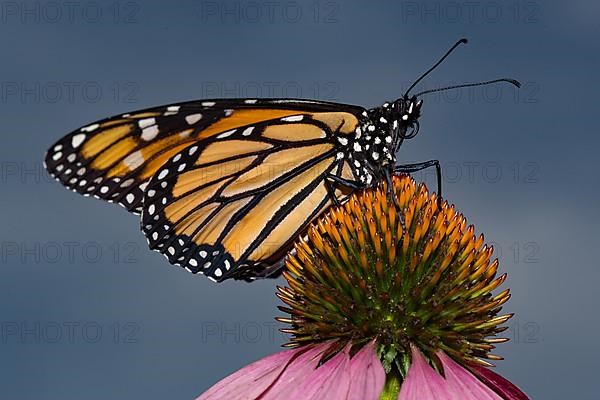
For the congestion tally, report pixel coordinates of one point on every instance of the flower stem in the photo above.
(391, 390)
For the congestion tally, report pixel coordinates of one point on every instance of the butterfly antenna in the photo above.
(511, 81)
(461, 41)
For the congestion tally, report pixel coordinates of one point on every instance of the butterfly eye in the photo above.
(412, 130)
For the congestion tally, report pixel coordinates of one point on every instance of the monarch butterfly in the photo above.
(225, 186)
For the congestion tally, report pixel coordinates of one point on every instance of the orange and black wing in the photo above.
(114, 159)
(230, 205)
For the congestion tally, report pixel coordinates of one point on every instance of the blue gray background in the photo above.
(88, 313)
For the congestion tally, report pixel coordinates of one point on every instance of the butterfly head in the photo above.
(406, 111)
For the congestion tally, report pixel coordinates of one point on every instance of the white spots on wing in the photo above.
(410, 108)
(383, 120)
(377, 140)
(203, 253)
(228, 112)
(293, 118)
(151, 193)
(357, 147)
(375, 156)
(226, 134)
(127, 182)
(388, 139)
(208, 103)
(171, 250)
(250, 101)
(134, 160)
(371, 128)
(151, 209)
(193, 262)
(358, 133)
(364, 114)
(81, 171)
(57, 156)
(163, 173)
(77, 140)
(125, 115)
(150, 133)
(155, 236)
(59, 167)
(181, 167)
(227, 265)
(192, 150)
(339, 155)
(82, 183)
(58, 147)
(357, 164)
(404, 117)
(130, 198)
(90, 128)
(171, 110)
(343, 140)
(193, 118)
(143, 186)
(207, 265)
(177, 157)
(146, 122)
(248, 131)
(395, 124)
(104, 189)
(68, 171)
(218, 273)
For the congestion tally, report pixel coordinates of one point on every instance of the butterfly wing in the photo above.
(230, 205)
(114, 159)
(241, 178)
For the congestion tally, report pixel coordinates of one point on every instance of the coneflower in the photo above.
(389, 296)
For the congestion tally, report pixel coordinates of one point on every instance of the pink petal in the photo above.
(500, 385)
(252, 380)
(422, 381)
(330, 381)
(295, 374)
(367, 376)
(461, 384)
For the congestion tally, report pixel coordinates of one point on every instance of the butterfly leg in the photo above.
(409, 168)
(388, 181)
(333, 180)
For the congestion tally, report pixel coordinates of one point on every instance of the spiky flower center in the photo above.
(399, 267)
